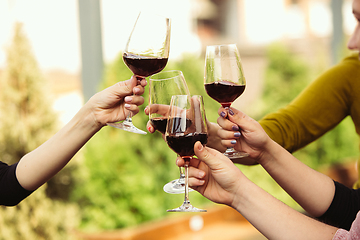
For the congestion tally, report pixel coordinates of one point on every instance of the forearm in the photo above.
(274, 219)
(314, 191)
(38, 166)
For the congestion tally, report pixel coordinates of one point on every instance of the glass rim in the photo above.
(166, 78)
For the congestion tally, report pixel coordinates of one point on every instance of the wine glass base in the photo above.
(127, 126)
(175, 187)
(186, 207)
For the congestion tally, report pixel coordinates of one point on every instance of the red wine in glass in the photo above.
(144, 66)
(224, 92)
(146, 53)
(186, 125)
(159, 124)
(224, 80)
(184, 144)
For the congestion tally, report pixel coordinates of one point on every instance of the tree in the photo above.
(26, 121)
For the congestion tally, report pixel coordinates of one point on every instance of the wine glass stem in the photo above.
(187, 162)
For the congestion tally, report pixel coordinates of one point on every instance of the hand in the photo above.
(213, 175)
(114, 103)
(155, 108)
(242, 132)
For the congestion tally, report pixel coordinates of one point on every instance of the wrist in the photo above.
(87, 119)
(270, 153)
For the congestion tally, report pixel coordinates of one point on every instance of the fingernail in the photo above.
(235, 127)
(127, 105)
(201, 174)
(149, 128)
(222, 114)
(200, 147)
(231, 112)
(128, 99)
(237, 134)
(233, 142)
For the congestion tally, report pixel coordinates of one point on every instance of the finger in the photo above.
(228, 143)
(160, 109)
(133, 108)
(242, 120)
(143, 82)
(209, 156)
(150, 127)
(133, 99)
(228, 135)
(227, 124)
(180, 161)
(222, 112)
(196, 173)
(196, 182)
(147, 110)
(138, 90)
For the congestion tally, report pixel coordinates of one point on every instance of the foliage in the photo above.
(26, 121)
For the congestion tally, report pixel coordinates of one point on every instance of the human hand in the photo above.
(213, 175)
(160, 109)
(114, 103)
(242, 132)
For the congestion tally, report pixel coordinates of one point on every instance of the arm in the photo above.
(110, 105)
(312, 190)
(219, 180)
(317, 109)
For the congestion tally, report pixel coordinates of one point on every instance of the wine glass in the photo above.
(224, 80)
(162, 86)
(186, 125)
(146, 53)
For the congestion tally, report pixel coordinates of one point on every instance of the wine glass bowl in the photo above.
(162, 86)
(146, 53)
(186, 125)
(224, 79)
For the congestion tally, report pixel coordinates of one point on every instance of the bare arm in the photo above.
(314, 191)
(218, 179)
(110, 105)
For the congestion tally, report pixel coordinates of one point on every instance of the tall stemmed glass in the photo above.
(186, 125)
(162, 86)
(146, 53)
(224, 80)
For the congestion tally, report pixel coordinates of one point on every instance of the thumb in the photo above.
(209, 156)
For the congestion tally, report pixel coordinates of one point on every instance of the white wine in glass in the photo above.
(224, 80)
(146, 53)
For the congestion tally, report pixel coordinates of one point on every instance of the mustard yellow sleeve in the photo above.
(318, 108)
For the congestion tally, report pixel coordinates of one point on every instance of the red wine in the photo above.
(184, 144)
(144, 66)
(224, 92)
(159, 124)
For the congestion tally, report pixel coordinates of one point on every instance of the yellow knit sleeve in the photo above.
(318, 108)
